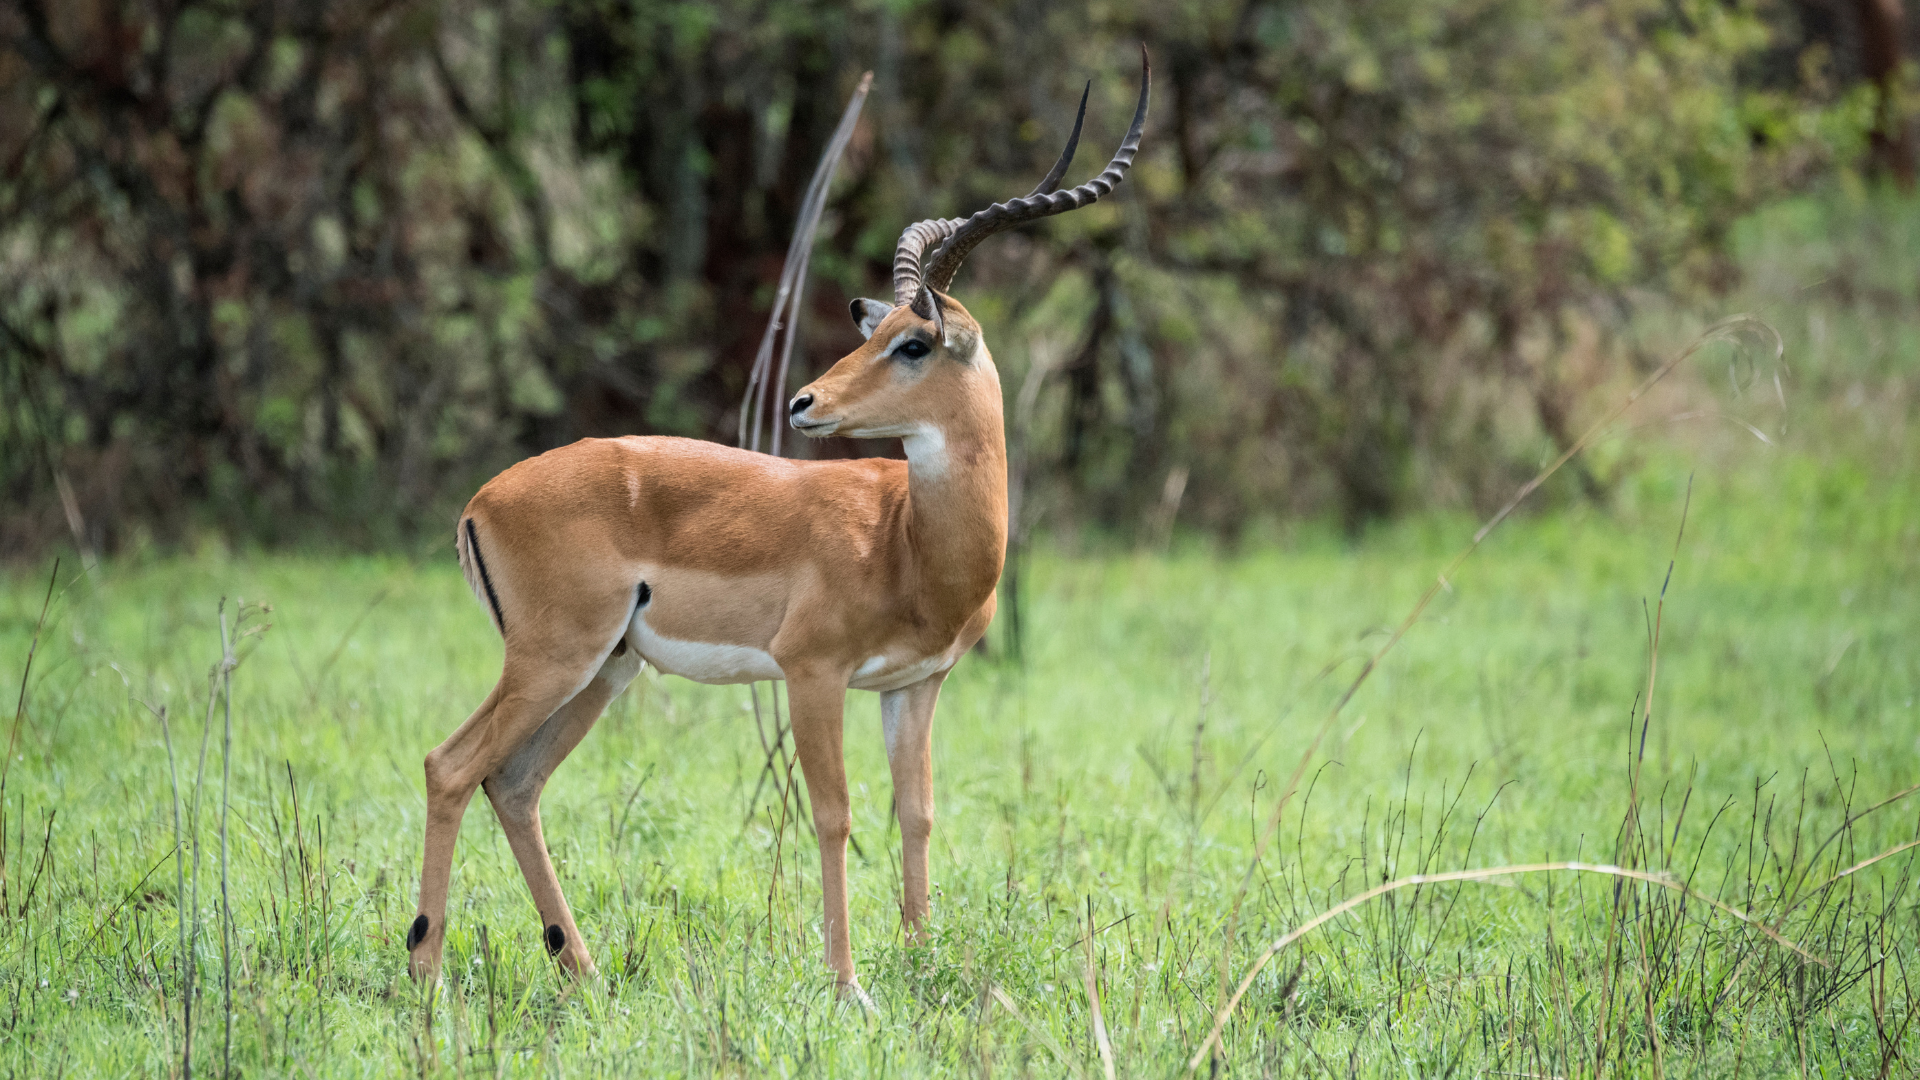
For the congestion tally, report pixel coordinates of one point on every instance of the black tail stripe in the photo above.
(493, 600)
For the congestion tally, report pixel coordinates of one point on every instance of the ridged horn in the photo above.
(915, 272)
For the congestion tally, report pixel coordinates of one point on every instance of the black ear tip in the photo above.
(854, 308)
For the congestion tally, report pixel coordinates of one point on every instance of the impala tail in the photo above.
(466, 540)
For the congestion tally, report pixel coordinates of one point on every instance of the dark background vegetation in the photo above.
(297, 272)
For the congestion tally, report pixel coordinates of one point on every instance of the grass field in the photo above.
(1121, 775)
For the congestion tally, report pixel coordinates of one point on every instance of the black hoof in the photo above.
(417, 933)
(556, 940)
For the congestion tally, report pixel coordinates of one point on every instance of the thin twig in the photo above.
(179, 876)
(1627, 850)
(131, 893)
(20, 706)
(786, 315)
(1848, 872)
(1848, 824)
(227, 664)
(313, 689)
(793, 275)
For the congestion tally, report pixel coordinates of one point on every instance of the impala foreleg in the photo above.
(819, 705)
(514, 789)
(907, 722)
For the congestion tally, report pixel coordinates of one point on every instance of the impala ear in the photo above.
(868, 313)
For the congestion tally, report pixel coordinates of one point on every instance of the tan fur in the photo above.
(874, 573)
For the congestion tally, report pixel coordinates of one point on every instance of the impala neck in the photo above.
(957, 498)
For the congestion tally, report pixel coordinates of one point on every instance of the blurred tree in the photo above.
(1883, 24)
(291, 269)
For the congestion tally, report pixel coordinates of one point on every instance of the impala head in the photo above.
(909, 374)
(924, 358)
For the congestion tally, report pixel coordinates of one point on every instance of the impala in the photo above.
(725, 566)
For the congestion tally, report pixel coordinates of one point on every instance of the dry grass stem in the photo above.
(1732, 329)
(1482, 875)
(793, 283)
(1093, 1000)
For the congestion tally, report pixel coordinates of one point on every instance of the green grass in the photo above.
(1124, 768)
(1498, 732)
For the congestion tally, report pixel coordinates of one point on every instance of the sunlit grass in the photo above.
(1126, 766)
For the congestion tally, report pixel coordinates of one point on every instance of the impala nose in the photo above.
(799, 404)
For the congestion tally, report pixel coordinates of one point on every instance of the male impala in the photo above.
(725, 566)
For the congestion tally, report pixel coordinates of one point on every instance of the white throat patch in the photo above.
(926, 448)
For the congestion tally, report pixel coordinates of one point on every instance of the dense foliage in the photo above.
(282, 267)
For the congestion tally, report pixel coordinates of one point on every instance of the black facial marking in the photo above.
(417, 933)
(556, 940)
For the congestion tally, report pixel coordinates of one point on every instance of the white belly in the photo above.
(701, 661)
(717, 664)
(885, 673)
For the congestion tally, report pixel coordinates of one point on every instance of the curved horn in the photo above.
(1052, 179)
(939, 269)
(914, 273)
(915, 241)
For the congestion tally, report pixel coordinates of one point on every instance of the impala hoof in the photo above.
(850, 993)
(422, 966)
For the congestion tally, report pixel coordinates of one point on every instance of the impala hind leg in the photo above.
(515, 788)
(906, 717)
(525, 697)
(428, 930)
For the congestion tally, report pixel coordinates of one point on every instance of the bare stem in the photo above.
(227, 664)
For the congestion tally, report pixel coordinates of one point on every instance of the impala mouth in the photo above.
(814, 428)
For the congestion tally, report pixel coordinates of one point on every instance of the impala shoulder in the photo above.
(866, 487)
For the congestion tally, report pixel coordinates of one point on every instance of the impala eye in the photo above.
(913, 350)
